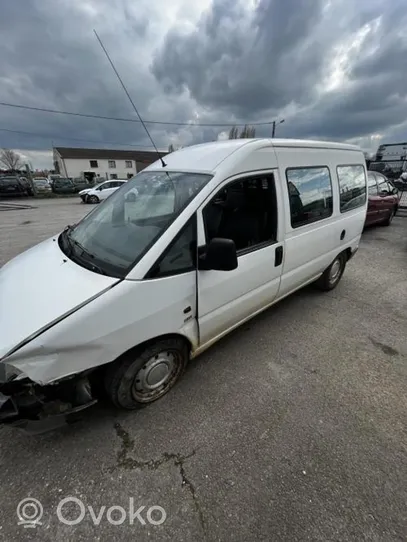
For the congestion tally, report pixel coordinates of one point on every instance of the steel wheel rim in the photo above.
(157, 376)
(335, 271)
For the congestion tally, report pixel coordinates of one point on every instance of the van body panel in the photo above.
(200, 305)
(40, 286)
(225, 298)
(110, 325)
(311, 248)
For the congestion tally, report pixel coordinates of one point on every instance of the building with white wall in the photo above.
(101, 164)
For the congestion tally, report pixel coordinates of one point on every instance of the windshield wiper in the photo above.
(73, 242)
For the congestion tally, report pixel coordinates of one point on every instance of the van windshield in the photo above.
(118, 232)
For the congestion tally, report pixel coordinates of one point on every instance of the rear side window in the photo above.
(310, 194)
(352, 187)
(372, 184)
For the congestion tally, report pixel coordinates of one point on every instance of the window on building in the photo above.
(181, 255)
(93, 163)
(129, 163)
(113, 175)
(352, 186)
(310, 193)
(244, 211)
(112, 163)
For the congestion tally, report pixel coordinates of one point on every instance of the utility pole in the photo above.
(273, 133)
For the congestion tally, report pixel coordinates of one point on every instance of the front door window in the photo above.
(244, 211)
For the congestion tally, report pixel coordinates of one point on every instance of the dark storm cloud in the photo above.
(50, 58)
(235, 63)
(254, 67)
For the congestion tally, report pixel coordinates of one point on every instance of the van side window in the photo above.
(310, 194)
(245, 211)
(180, 256)
(352, 186)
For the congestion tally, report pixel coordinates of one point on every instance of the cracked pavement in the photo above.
(292, 428)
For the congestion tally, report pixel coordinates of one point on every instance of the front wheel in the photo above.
(333, 274)
(136, 380)
(92, 199)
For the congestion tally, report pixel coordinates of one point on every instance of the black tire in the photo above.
(327, 282)
(92, 199)
(124, 378)
(389, 219)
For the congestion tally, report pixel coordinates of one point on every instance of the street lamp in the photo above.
(274, 126)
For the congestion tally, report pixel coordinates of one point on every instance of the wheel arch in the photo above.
(134, 350)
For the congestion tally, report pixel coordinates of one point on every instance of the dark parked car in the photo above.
(15, 186)
(63, 185)
(82, 184)
(383, 200)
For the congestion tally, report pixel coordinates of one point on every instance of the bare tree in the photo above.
(10, 159)
(234, 133)
(246, 133)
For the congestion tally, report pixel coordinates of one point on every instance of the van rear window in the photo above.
(352, 187)
(310, 193)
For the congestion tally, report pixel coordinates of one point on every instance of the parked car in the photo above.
(383, 200)
(221, 233)
(102, 191)
(27, 185)
(14, 186)
(52, 177)
(83, 193)
(41, 184)
(63, 185)
(81, 184)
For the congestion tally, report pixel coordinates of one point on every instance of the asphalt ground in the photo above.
(291, 428)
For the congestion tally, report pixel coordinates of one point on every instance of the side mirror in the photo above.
(394, 190)
(220, 255)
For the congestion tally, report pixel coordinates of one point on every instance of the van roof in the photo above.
(206, 157)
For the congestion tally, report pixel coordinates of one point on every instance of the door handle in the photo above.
(278, 256)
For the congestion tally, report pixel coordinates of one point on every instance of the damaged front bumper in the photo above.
(38, 409)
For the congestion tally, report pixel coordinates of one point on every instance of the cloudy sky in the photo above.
(333, 69)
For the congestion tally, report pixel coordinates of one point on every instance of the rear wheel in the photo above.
(92, 199)
(138, 379)
(333, 274)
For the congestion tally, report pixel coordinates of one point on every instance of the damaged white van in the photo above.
(181, 254)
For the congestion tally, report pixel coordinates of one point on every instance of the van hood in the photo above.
(38, 288)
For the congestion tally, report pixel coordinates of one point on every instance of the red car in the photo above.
(383, 200)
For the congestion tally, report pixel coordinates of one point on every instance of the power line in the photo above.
(73, 138)
(129, 97)
(121, 119)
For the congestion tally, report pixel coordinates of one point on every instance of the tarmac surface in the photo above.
(292, 428)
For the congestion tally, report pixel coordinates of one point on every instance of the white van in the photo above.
(143, 284)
